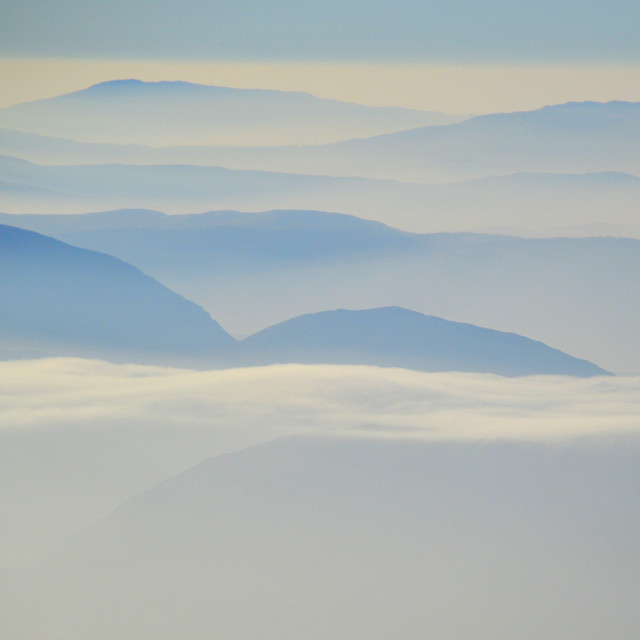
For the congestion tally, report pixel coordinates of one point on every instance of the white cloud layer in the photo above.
(285, 399)
(79, 437)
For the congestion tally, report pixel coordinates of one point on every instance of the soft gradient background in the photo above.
(461, 57)
(464, 88)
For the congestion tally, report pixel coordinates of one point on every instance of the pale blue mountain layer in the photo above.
(537, 203)
(581, 295)
(181, 113)
(63, 300)
(579, 137)
(395, 337)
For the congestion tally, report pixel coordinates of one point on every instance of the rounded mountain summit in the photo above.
(397, 337)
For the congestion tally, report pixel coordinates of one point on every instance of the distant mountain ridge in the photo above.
(587, 137)
(118, 111)
(576, 137)
(537, 202)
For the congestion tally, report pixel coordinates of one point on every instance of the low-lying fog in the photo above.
(377, 503)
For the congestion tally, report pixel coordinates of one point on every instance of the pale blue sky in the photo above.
(356, 30)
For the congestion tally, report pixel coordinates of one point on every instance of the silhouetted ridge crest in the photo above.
(397, 337)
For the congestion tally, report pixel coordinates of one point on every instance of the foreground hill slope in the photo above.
(60, 299)
(395, 337)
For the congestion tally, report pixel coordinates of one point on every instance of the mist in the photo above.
(79, 436)
(350, 501)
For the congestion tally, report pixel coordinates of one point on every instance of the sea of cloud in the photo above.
(531, 491)
(66, 393)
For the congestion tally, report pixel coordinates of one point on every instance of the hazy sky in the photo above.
(362, 30)
(451, 88)
(458, 57)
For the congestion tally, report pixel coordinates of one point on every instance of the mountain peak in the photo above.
(399, 337)
(125, 86)
(115, 84)
(133, 85)
(117, 111)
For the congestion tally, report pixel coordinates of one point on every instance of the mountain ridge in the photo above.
(539, 200)
(63, 300)
(188, 113)
(249, 272)
(396, 336)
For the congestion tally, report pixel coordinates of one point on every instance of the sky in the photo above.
(348, 30)
(458, 57)
(471, 88)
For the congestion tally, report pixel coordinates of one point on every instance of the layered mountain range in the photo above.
(365, 394)
(530, 204)
(578, 137)
(253, 270)
(568, 167)
(185, 113)
(62, 300)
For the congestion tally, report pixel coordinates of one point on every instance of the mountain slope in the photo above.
(183, 113)
(63, 300)
(395, 337)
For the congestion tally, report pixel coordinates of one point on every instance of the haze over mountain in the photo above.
(181, 113)
(395, 337)
(62, 300)
(580, 295)
(221, 242)
(361, 536)
(537, 203)
(577, 137)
